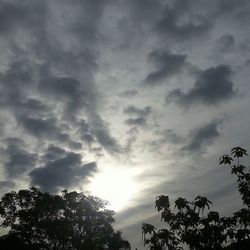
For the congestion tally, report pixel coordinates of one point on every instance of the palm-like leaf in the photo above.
(201, 202)
(225, 159)
(181, 203)
(238, 169)
(238, 152)
(147, 228)
(162, 202)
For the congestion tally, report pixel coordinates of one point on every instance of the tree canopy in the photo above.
(186, 223)
(72, 220)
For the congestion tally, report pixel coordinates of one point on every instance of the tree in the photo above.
(39, 220)
(186, 226)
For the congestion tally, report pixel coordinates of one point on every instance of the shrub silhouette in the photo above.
(187, 225)
(39, 220)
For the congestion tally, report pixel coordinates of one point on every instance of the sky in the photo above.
(124, 99)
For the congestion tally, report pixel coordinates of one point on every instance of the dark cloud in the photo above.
(129, 93)
(167, 64)
(99, 130)
(63, 172)
(203, 136)
(14, 14)
(165, 138)
(96, 131)
(140, 121)
(171, 136)
(145, 9)
(212, 87)
(232, 5)
(180, 20)
(138, 115)
(14, 82)
(7, 184)
(18, 157)
(66, 90)
(226, 43)
(87, 17)
(132, 110)
(54, 152)
(40, 127)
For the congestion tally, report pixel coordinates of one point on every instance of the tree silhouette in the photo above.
(185, 225)
(39, 220)
(201, 202)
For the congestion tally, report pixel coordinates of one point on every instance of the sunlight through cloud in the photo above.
(116, 185)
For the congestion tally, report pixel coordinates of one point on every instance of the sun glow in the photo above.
(114, 185)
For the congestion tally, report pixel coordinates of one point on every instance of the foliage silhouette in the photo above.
(187, 226)
(38, 220)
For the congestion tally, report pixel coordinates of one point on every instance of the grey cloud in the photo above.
(140, 121)
(87, 16)
(14, 14)
(138, 115)
(167, 64)
(226, 43)
(94, 131)
(7, 184)
(132, 110)
(171, 136)
(62, 172)
(203, 136)
(99, 129)
(85, 132)
(75, 145)
(212, 87)
(129, 93)
(67, 89)
(145, 9)
(33, 107)
(167, 137)
(18, 157)
(231, 5)
(53, 153)
(47, 129)
(14, 81)
(39, 127)
(180, 20)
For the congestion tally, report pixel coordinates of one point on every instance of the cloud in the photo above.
(14, 83)
(203, 136)
(54, 152)
(129, 93)
(167, 64)
(212, 87)
(138, 115)
(39, 127)
(230, 5)
(62, 172)
(167, 136)
(15, 14)
(140, 121)
(226, 43)
(181, 21)
(18, 158)
(65, 89)
(99, 130)
(132, 110)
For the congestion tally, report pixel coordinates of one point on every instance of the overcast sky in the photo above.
(141, 95)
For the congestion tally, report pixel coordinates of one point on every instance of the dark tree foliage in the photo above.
(187, 224)
(39, 220)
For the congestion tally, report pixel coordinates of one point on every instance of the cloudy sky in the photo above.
(124, 99)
